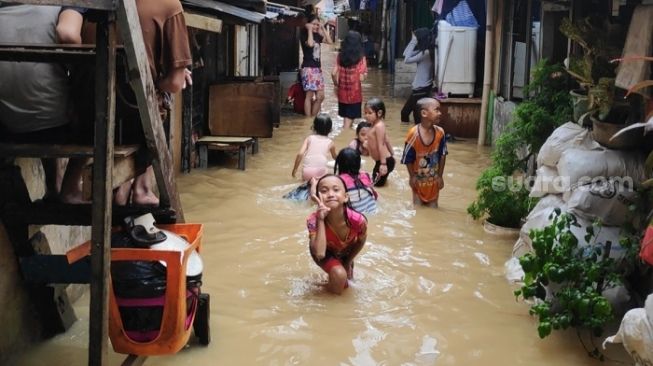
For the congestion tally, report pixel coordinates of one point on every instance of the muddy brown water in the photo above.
(429, 285)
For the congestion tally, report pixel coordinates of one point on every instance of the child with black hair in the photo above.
(314, 154)
(421, 51)
(360, 141)
(378, 143)
(348, 73)
(425, 154)
(334, 220)
(360, 189)
(311, 38)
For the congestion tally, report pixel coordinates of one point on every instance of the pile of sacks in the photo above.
(579, 176)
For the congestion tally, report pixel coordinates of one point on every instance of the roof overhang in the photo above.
(226, 12)
(209, 23)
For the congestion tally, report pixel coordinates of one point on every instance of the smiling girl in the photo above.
(336, 232)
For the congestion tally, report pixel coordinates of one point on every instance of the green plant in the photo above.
(575, 276)
(501, 196)
(505, 200)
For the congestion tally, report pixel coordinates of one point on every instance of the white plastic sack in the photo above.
(636, 333)
(546, 181)
(569, 135)
(541, 219)
(539, 215)
(513, 270)
(578, 167)
(606, 200)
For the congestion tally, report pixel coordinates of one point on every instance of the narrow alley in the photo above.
(429, 285)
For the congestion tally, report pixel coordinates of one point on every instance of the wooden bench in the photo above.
(224, 143)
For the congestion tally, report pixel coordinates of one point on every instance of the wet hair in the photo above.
(376, 105)
(361, 125)
(424, 39)
(322, 124)
(425, 42)
(309, 13)
(346, 205)
(423, 103)
(348, 161)
(351, 50)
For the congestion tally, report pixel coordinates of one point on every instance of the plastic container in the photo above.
(456, 67)
(175, 329)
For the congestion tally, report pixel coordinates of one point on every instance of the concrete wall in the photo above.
(403, 78)
(502, 116)
(19, 323)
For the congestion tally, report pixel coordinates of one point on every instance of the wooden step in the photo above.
(10, 150)
(53, 213)
(47, 53)
(89, 4)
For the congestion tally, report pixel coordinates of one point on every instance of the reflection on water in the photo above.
(429, 286)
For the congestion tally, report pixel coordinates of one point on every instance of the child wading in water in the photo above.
(362, 195)
(378, 143)
(359, 143)
(336, 232)
(314, 153)
(425, 154)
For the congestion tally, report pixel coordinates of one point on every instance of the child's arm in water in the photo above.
(300, 156)
(318, 242)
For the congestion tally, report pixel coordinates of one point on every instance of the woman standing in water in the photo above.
(336, 232)
(349, 71)
(420, 51)
(312, 80)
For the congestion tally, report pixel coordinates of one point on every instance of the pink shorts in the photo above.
(312, 79)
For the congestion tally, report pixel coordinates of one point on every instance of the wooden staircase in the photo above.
(111, 165)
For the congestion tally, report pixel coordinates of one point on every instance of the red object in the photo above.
(349, 82)
(297, 94)
(646, 245)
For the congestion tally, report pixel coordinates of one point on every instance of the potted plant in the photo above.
(502, 195)
(592, 69)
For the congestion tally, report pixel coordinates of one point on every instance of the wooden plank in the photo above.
(47, 53)
(141, 82)
(187, 129)
(59, 151)
(124, 169)
(134, 360)
(105, 105)
(42, 213)
(225, 139)
(89, 4)
(203, 22)
(639, 42)
(51, 269)
(242, 109)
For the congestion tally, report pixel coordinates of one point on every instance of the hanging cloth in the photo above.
(462, 16)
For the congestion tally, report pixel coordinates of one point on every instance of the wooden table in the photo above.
(226, 143)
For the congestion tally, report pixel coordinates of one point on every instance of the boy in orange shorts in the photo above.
(425, 153)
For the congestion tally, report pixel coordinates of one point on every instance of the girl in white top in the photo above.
(316, 149)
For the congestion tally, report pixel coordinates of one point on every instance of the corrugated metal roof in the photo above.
(220, 7)
(291, 11)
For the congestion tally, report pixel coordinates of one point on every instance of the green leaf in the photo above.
(544, 329)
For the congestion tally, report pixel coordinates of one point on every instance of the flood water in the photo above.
(429, 285)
